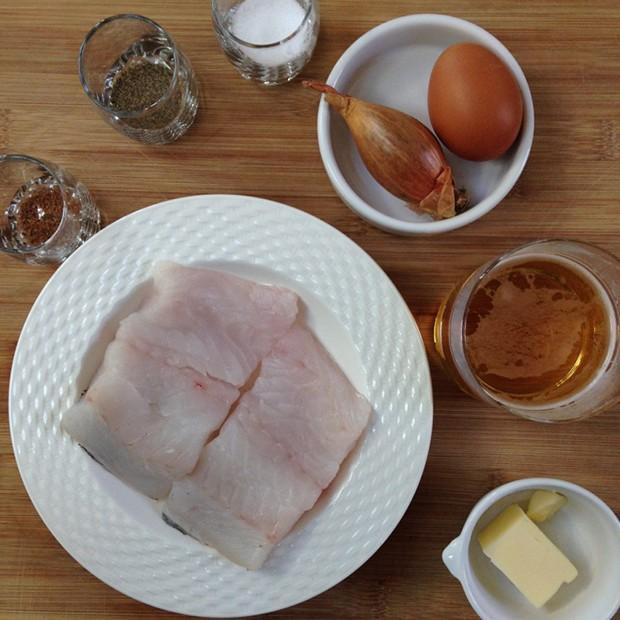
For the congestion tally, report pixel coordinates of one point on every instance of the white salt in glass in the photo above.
(267, 40)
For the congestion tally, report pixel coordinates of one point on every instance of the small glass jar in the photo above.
(46, 214)
(536, 331)
(138, 79)
(269, 41)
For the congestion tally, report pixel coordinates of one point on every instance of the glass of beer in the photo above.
(536, 331)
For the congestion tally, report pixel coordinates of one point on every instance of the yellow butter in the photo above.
(544, 504)
(517, 546)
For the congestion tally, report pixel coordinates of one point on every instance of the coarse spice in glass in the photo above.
(140, 84)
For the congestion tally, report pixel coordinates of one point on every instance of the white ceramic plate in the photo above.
(391, 65)
(355, 310)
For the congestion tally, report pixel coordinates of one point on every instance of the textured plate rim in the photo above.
(423, 446)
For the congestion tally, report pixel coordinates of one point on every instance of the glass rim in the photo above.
(215, 13)
(49, 169)
(94, 30)
(493, 264)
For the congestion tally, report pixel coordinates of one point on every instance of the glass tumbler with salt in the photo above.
(267, 40)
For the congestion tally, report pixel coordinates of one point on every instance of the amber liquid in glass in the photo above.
(537, 331)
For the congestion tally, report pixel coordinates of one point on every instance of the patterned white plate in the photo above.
(355, 310)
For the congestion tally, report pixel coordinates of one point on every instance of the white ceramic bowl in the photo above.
(585, 529)
(391, 65)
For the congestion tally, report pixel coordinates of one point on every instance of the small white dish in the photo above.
(391, 65)
(585, 529)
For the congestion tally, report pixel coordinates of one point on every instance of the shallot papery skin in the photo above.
(400, 152)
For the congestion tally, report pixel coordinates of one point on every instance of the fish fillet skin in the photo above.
(84, 424)
(161, 416)
(214, 322)
(274, 455)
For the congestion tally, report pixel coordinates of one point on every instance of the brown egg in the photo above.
(474, 102)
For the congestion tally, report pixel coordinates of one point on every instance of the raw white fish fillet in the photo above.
(87, 427)
(305, 402)
(216, 323)
(244, 495)
(274, 455)
(145, 421)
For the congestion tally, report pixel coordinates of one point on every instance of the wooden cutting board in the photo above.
(250, 140)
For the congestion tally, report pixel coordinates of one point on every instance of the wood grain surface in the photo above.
(251, 140)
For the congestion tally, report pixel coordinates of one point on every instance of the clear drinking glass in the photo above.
(267, 40)
(536, 331)
(46, 214)
(138, 79)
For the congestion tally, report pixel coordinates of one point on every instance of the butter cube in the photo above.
(525, 555)
(544, 504)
